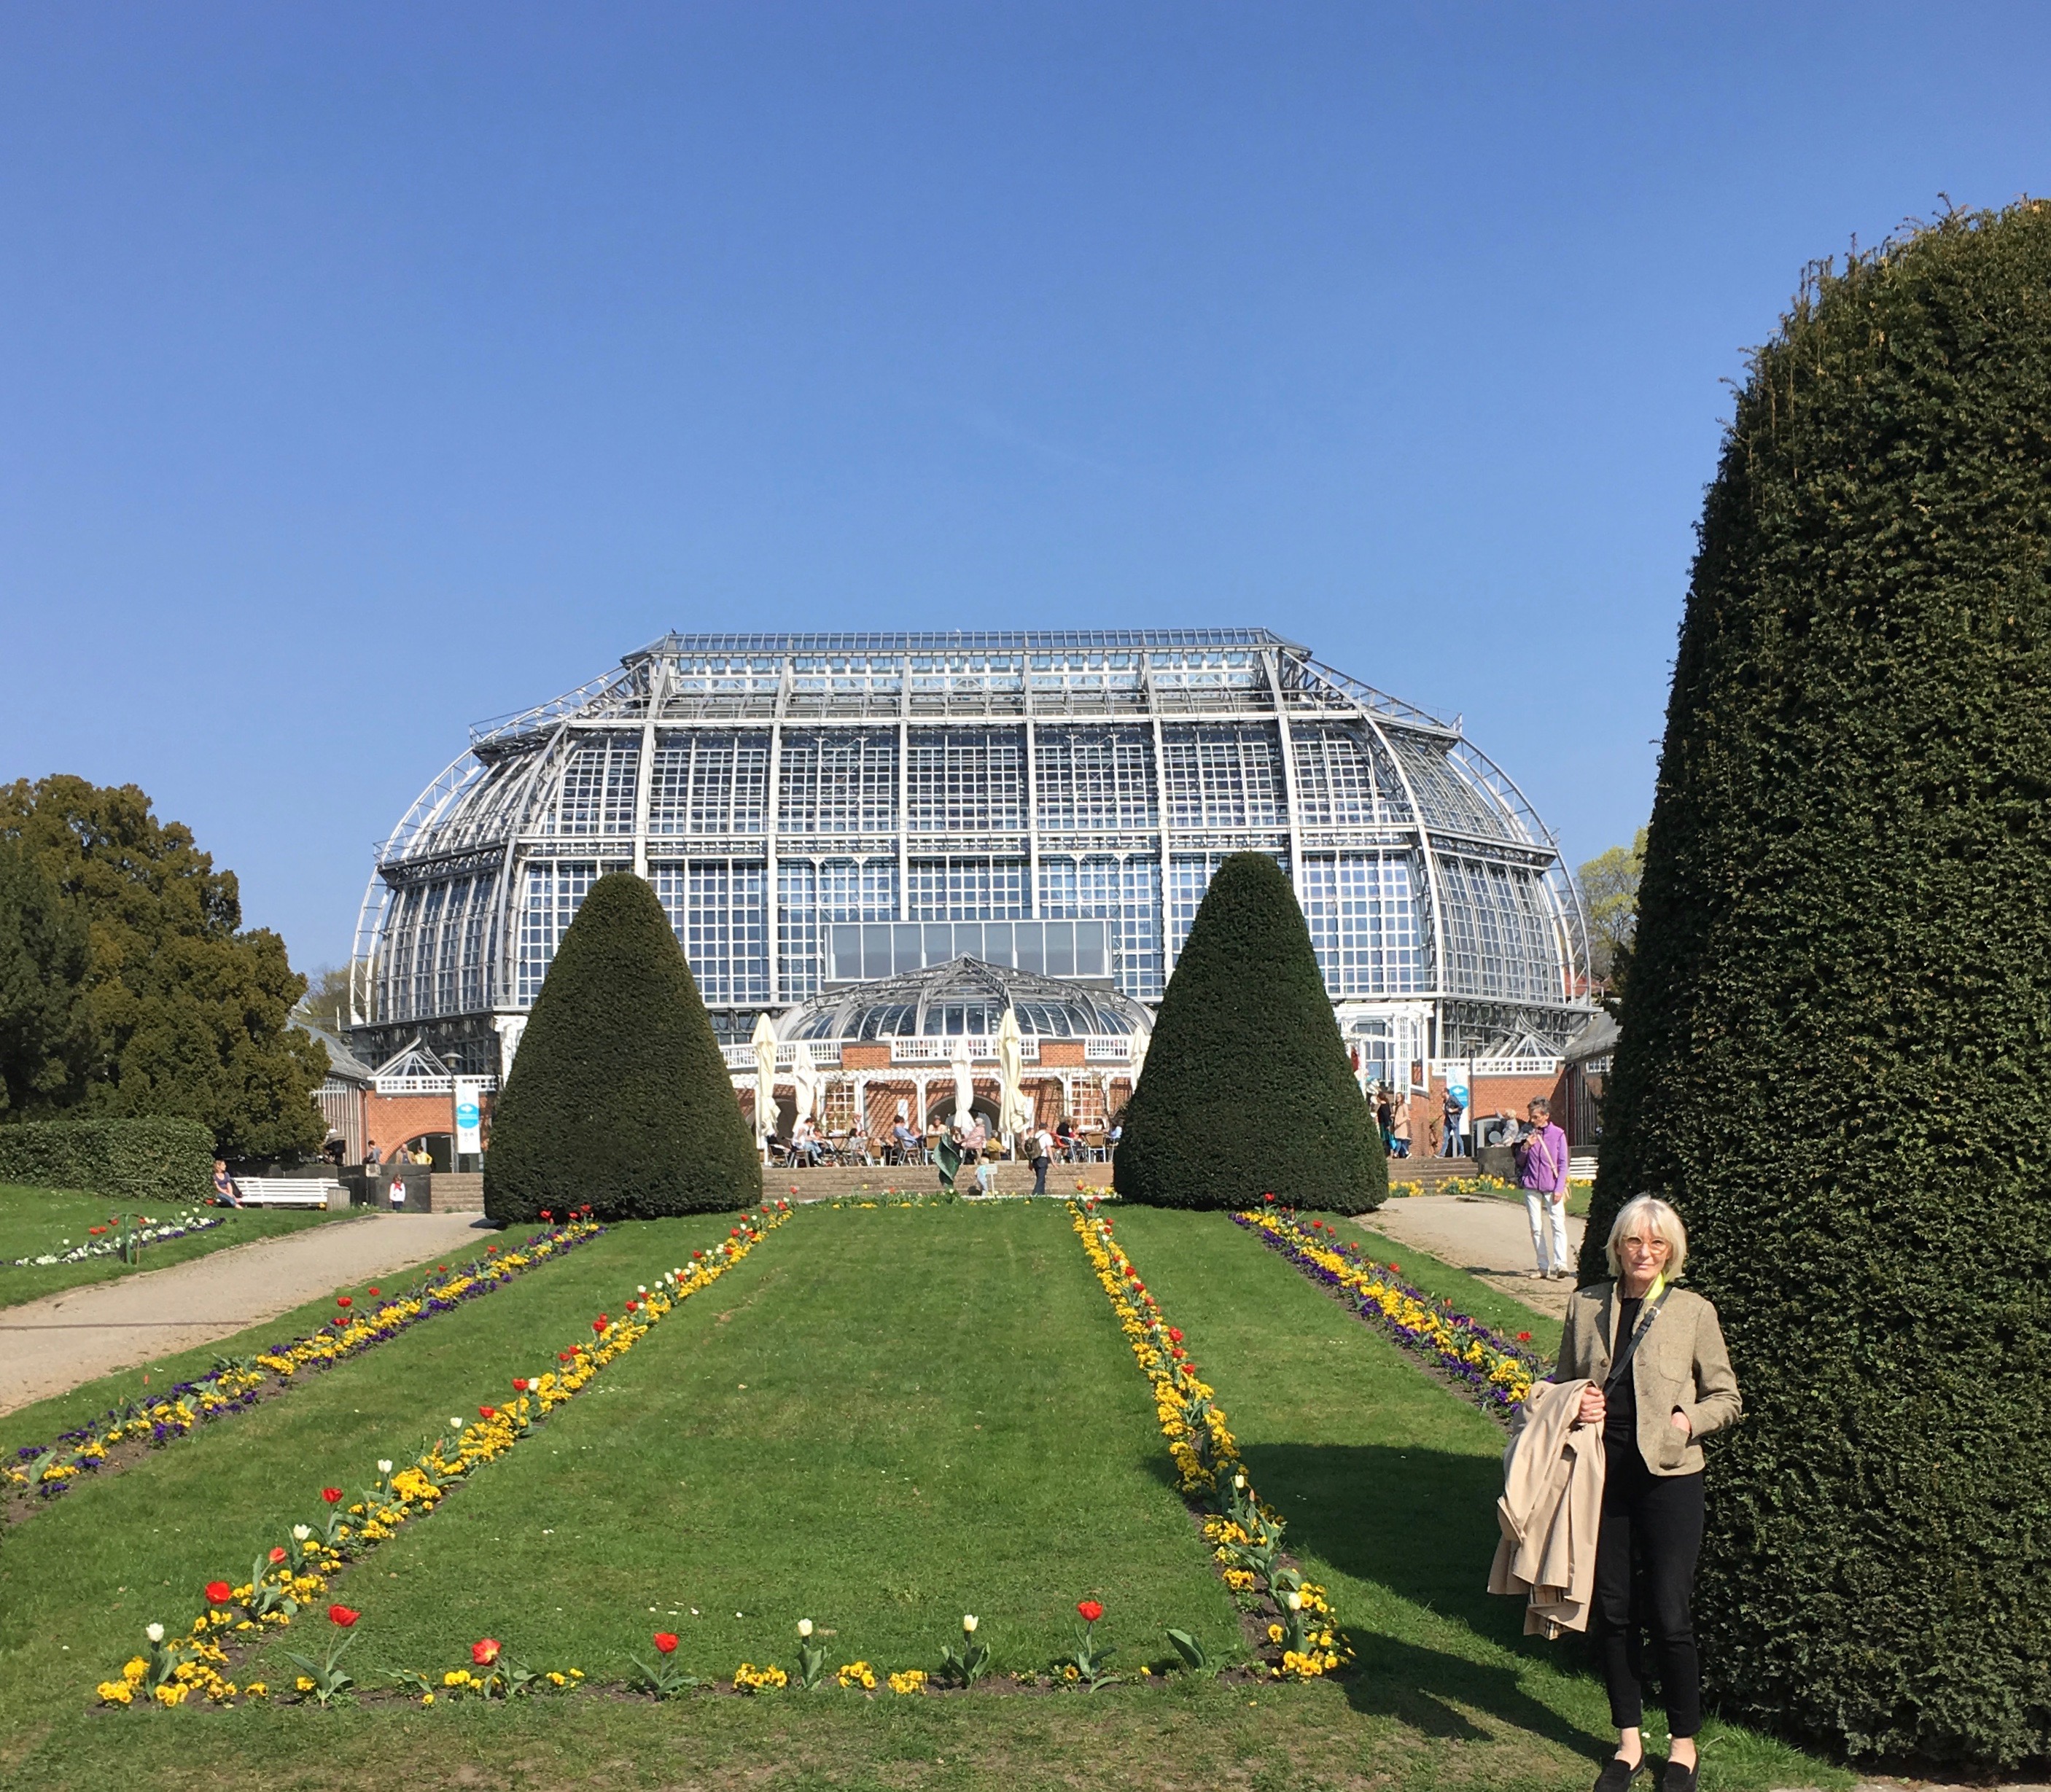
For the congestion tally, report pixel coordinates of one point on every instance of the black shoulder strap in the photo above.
(1622, 1362)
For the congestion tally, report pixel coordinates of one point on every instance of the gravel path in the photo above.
(1486, 1237)
(51, 1346)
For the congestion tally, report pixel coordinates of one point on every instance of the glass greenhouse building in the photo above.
(821, 812)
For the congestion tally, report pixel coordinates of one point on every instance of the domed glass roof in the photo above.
(966, 996)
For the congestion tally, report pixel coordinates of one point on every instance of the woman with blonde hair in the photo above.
(1659, 1381)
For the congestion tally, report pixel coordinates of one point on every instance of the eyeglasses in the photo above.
(1643, 1246)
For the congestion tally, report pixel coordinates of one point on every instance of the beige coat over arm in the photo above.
(1681, 1366)
(1550, 1512)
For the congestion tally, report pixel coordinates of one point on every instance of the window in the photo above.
(967, 781)
(1223, 779)
(715, 907)
(1500, 940)
(709, 785)
(837, 782)
(596, 793)
(1094, 781)
(556, 890)
(1362, 913)
(967, 889)
(1125, 892)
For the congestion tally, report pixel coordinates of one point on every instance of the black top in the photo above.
(1620, 1425)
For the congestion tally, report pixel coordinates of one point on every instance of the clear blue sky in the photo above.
(366, 370)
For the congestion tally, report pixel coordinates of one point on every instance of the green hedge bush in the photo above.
(618, 1096)
(1836, 1048)
(1247, 1089)
(148, 1159)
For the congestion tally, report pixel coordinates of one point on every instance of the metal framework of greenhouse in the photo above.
(811, 809)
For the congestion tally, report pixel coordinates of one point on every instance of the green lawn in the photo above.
(846, 1481)
(34, 1221)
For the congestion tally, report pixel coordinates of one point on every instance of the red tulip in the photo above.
(666, 1642)
(491, 1250)
(218, 1592)
(599, 1324)
(632, 1304)
(1089, 1611)
(332, 1495)
(1523, 1337)
(342, 1300)
(343, 1615)
(488, 1412)
(485, 1651)
(519, 1384)
(277, 1555)
(442, 1266)
(1175, 1334)
(565, 1356)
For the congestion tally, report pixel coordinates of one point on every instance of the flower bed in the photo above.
(1497, 1372)
(117, 1237)
(298, 1571)
(1245, 1533)
(233, 1386)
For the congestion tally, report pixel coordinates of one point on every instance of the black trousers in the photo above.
(1039, 1176)
(1645, 1570)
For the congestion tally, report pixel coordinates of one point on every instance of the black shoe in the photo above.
(1677, 1779)
(1617, 1773)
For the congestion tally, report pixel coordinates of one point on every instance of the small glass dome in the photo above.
(966, 996)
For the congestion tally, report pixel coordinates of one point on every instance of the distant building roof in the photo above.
(341, 1062)
(1597, 1039)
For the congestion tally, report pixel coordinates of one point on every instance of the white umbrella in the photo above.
(805, 1082)
(1014, 1115)
(763, 1040)
(964, 1082)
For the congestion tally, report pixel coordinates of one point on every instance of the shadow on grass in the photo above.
(1420, 1523)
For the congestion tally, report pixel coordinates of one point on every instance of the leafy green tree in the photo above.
(618, 1096)
(1609, 893)
(189, 1013)
(1247, 1089)
(1836, 1045)
(326, 1003)
(45, 1024)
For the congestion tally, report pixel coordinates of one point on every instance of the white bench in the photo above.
(284, 1191)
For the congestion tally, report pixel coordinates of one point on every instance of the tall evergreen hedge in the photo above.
(1836, 1049)
(618, 1096)
(155, 1159)
(1247, 1090)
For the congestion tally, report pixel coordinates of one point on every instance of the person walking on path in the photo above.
(1660, 1382)
(1401, 1139)
(1043, 1154)
(1456, 1111)
(1541, 1174)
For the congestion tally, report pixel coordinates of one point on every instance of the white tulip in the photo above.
(384, 1465)
(1239, 1481)
(301, 1532)
(1296, 1602)
(154, 1632)
(804, 1625)
(642, 1287)
(968, 1623)
(455, 1424)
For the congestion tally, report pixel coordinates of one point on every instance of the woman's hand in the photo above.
(1593, 1409)
(1679, 1419)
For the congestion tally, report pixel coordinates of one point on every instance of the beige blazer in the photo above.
(1682, 1366)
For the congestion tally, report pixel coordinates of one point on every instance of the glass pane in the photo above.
(907, 955)
(876, 951)
(1091, 949)
(997, 942)
(1031, 938)
(968, 939)
(939, 942)
(844, 948)
(1061, 948)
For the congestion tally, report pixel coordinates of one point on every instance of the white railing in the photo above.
(929, 1048)
(1442, 1068)
(427, 1085)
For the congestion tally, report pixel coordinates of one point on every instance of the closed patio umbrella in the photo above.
(764, 1040)
(1014, 1115)
(964, 1083)
(805, 1082)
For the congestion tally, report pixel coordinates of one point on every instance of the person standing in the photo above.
(1401, 1140)
(1541, 1174)
(1659, 1381)
(1043, 1154)
(1384, 1117)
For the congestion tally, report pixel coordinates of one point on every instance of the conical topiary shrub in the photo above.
(1836, 1048)
(618, 1095)
(1247, 1089)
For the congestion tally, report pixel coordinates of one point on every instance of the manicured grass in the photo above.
(873, 1342)
(36, 1220)
(1469, 1293)
(46, 1418)
(905, 1414)
(1388, 1482)
(80, 1580)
